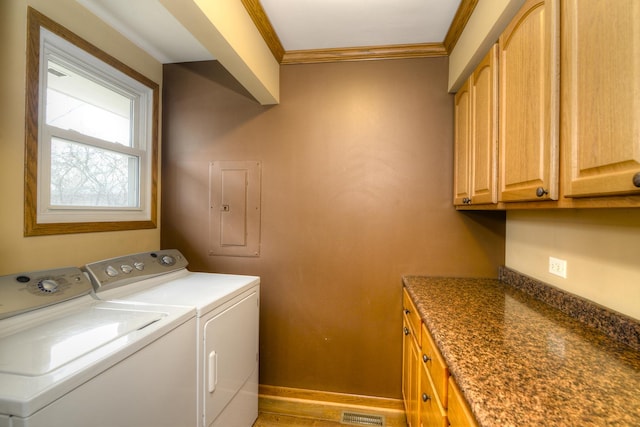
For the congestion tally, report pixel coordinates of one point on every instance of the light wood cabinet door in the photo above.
(476, 112)
(432, 412)
(433, 362)
(462, 144)
(600, 97)
(406, 363)
(413, 413)
(528, 104)
(410, 360)
(459, 413)
(483, 151)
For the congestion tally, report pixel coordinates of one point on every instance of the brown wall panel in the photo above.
(356, 191)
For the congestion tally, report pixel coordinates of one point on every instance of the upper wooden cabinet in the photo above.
(600, 97)
(528, 104)
(476, 112)
(462, 144)
(569, 81)
(484, 130)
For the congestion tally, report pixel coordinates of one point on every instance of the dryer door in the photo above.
(230, 353)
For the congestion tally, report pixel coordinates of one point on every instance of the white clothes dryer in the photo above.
(227, 314)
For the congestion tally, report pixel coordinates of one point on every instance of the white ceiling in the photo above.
(320, 24)
(150, 26)
(300, 24)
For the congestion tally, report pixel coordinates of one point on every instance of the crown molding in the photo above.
(364, 53)
(422, 50)
(262, 23)
(459, 22)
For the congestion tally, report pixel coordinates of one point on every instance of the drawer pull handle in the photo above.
(425, 397)
(425, 358)
(541, 192)
(636, 180)
(406, 330)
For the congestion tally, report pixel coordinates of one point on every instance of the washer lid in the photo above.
(41, 348)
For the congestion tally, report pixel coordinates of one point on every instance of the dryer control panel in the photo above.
(120, 271)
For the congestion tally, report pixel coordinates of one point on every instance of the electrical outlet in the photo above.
(558, 267)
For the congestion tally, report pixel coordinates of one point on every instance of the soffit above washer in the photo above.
(151, 27)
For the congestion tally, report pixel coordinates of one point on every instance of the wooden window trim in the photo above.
(36, 20)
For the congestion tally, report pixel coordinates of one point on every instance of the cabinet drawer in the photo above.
(432, 412)
(433, 361)
(459, 413)
(412, 315)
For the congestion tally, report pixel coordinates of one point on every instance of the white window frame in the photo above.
(41, 217)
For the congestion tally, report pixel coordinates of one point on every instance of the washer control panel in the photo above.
(23, 292)
(120, 271)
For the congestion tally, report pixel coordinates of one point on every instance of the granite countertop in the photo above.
(521, 362)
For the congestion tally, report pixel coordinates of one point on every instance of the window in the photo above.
(91, 140)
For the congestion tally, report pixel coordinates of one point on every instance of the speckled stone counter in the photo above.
(521, 362)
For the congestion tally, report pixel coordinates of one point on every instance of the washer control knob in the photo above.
(126, 268)
(167, 260)
(139, 265)
(48, 285)
(111, 272)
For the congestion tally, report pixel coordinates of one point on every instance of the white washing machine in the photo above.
(67, 359)
(227, 313)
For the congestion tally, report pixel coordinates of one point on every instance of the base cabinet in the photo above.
(410, 377)
(410, 360)
(459, 413)
(431, 396)
(432, 413)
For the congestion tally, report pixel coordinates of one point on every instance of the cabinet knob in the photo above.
(425, 358)
(425, 397)
(407, 311)
(406, 330)
(541, 192)
(466, 201)
(636, 180)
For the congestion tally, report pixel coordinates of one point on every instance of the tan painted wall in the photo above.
(18, 253)
(356, 191)
(601, 248)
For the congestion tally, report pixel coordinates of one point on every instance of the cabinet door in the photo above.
(413, 417)
(410, 374)
(528, 104)
(600, 97)
(432, 413)
(406, 364)
(462, 143)
(433, 362)
(484, 131)
(459, 413)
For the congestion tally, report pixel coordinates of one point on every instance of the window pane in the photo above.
(77, 103)
(83, 175)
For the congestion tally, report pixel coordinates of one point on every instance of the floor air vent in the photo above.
(362, 419)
